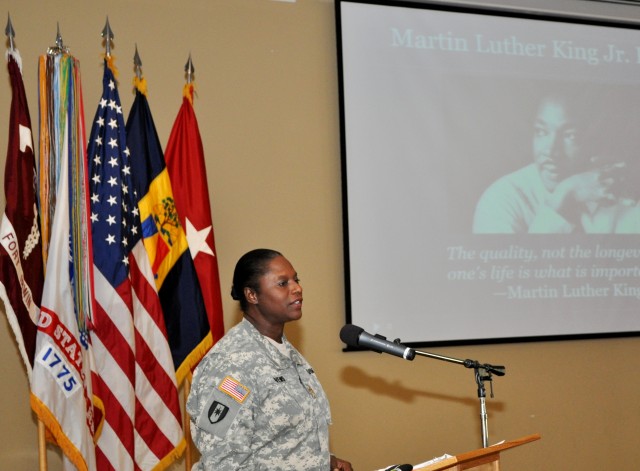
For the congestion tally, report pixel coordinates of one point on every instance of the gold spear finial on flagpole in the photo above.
(137, 64)
(59, 48)
(188, 89)
(189, 69)
(10, 33)
(139, 82)
(107, 34)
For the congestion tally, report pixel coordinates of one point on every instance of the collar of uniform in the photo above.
(280, 361)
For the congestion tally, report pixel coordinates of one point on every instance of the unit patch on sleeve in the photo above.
(218, 414)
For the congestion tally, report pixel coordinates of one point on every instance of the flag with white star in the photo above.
(166, 243)
(185, 162)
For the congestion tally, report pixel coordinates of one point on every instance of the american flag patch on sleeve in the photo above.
(234, 389)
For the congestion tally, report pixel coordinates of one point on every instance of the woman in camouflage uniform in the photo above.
(255, 402)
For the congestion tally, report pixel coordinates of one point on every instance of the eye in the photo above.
(570, 135)
(284, 283)
(540, 131)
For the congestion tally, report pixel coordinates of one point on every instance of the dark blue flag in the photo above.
(166, 243)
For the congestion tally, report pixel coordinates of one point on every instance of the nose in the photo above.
(555, 145)
(296, 287)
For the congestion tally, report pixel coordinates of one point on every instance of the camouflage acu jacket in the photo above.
(253, 408)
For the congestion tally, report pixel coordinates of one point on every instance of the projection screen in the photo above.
(490, 165)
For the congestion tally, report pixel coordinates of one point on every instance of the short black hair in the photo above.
(250, 267)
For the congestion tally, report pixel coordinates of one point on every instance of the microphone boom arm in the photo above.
(496, 370)
(483, 372)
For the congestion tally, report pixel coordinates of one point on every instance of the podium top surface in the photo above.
(481, 455)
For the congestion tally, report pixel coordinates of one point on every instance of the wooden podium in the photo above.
(483, 459)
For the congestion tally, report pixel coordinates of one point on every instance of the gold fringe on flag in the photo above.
(188, 90)
(140, 84)
(111, 64)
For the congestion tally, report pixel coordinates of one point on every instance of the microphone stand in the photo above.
(483, 373)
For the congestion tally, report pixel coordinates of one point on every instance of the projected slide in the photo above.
(491, 168)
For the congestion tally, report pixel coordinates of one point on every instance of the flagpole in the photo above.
(42, 447)
(42, 438)
(189, 70)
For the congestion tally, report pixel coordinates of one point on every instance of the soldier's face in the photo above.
(279, 298)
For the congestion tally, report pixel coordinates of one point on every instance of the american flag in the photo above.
(234, 389)
(134, 375)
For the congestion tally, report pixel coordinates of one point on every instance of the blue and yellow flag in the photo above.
(166, 243)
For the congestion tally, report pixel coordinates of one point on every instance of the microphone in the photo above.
(400, 467)
(355, 336)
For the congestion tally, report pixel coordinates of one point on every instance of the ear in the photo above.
(251, 295)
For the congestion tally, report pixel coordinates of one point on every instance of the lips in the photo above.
(550, 167)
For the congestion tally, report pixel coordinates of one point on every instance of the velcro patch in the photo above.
(234, 389)
(218, 414)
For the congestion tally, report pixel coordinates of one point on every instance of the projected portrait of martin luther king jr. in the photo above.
(572, 185)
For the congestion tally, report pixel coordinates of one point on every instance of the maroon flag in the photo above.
(21, 268)
(184, 156)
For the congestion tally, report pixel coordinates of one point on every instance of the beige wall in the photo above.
(267, 106)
